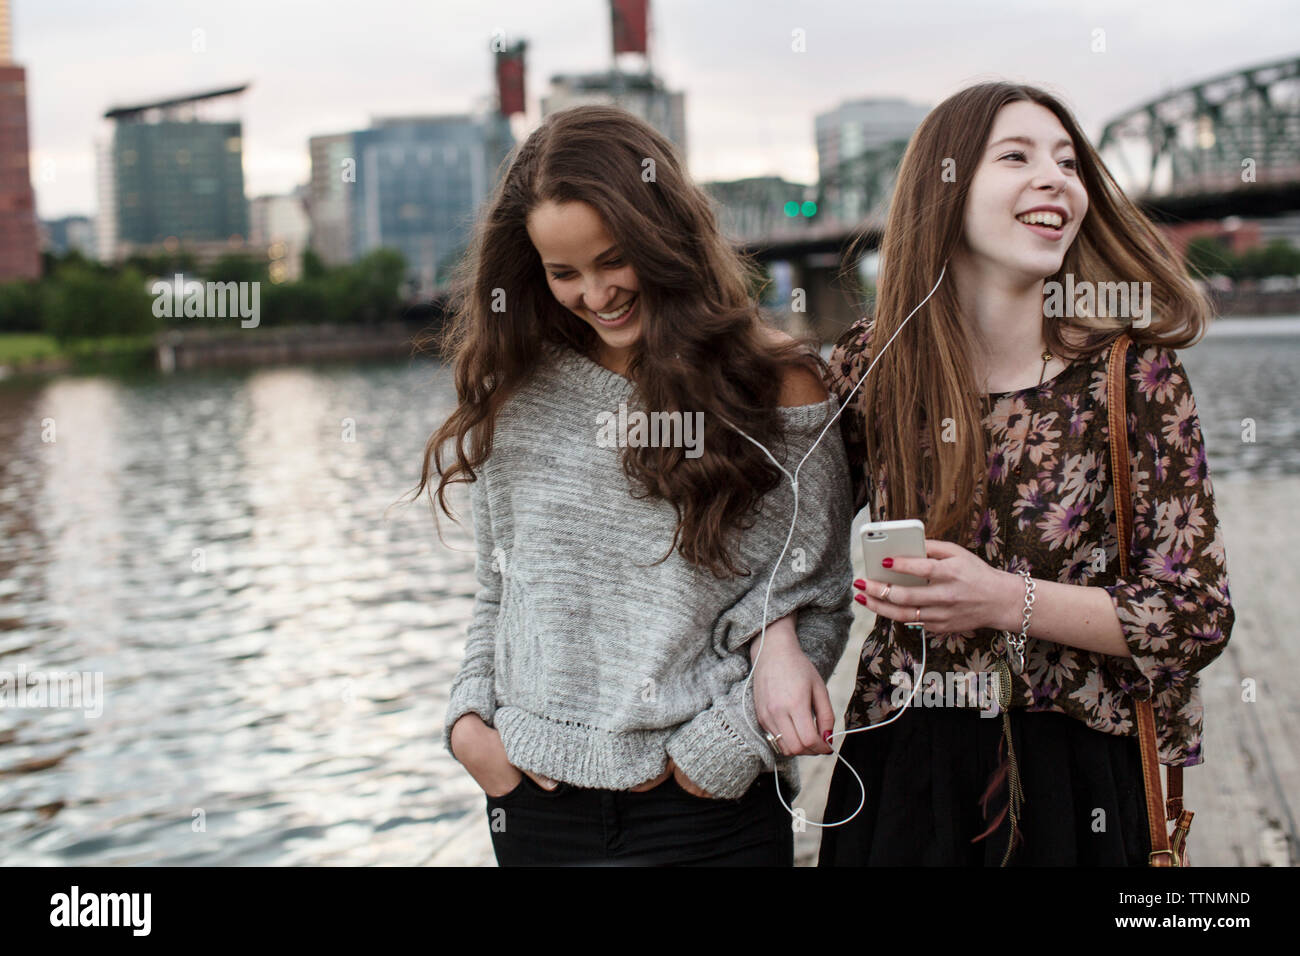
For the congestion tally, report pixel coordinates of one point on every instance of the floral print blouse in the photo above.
(1048, 483)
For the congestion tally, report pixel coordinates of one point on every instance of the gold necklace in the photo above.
(1047, 357)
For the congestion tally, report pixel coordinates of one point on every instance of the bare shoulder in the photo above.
(799, 384)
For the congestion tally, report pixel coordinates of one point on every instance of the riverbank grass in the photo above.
(18, 348)
(21, 350)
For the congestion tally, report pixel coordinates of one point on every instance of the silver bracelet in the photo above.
(1016, 644)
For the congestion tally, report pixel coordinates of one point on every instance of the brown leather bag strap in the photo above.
(1173, 792)
(1148, 744)
(1122, 482)
(1121, 477)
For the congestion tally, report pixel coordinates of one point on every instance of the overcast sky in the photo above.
(323, 66)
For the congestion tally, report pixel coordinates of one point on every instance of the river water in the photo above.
(274, 632)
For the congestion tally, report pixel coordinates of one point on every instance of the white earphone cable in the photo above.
(794, 484)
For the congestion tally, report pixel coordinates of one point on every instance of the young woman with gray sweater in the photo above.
(607, 353)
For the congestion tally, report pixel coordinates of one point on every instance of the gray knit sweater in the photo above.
(596, 665)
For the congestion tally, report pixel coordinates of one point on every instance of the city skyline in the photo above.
(750, 97)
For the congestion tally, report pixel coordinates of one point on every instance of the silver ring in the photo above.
(772, 741)
(884, 595)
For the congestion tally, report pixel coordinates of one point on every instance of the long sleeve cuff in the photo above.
(714, 755)
(1171, 631)
(470, 694)
(718, 749)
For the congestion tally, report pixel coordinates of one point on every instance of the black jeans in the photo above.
(664, 826)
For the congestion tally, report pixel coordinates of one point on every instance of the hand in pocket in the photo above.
(654, 781)
(478, 747)
(687, 784)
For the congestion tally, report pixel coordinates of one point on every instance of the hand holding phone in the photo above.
(892, 539)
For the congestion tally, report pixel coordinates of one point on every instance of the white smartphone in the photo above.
(892, 539)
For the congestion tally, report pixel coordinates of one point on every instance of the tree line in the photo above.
(77, 298)
(1208, 257)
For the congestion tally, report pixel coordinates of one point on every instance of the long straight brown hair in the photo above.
(925, 376)
(703, 346)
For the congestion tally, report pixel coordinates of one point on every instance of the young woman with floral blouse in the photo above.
(986, 418)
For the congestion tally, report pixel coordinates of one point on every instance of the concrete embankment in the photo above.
(200, 348)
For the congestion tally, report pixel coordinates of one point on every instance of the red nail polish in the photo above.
(860, 598)
(860, 584)
(827, 736)
(887, 562)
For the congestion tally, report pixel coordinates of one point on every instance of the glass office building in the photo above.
(419, 183)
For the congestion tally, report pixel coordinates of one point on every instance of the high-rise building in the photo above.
(635, 87)
(19, 245)
(106, 193)
(280, 225)
(419, 183)
(176, 177)
(69, 234)
(859, 144)
(333, 179)
(642, 94)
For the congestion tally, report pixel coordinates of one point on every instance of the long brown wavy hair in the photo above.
(703, 346)
(926, 376)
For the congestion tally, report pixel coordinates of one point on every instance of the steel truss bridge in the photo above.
(1224, 146)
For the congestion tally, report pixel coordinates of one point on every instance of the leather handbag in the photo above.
(1167, 849)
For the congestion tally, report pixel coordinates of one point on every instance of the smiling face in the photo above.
(1026, 200)
(588, 275)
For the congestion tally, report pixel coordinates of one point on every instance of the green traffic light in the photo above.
(810, 209)
(792, 208)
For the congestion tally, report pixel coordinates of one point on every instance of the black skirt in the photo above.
(926, 772)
